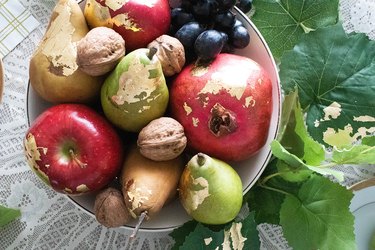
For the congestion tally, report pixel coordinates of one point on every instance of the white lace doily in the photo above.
(50, 220)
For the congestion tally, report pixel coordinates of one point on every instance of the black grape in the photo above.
(226, 4)
(245, 5)
(239, 37)
(188, 33)
(180, 17)
(205, 10)
(225, 20)
(209, 44)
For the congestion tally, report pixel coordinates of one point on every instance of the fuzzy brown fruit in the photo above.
(110, 209)
(162, 139)
(148, 185)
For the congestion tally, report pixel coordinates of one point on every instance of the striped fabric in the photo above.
(16, 23)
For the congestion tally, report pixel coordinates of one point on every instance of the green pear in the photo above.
(210, 190)
(135, 92)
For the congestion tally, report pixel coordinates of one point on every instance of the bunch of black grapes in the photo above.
(209, 27)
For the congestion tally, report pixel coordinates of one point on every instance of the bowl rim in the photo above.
(259, 172)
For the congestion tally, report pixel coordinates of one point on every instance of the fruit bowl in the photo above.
(173, 214)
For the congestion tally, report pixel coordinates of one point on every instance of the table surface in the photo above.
(50, 220)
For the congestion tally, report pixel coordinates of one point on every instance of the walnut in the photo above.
(162, 139)
(170, 52)
(99, 51)
(110, 209)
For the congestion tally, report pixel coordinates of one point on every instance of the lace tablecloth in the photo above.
(50, 220)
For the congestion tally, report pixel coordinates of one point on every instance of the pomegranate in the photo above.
(225, 106)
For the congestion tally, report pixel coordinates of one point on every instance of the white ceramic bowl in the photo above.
(173, 215)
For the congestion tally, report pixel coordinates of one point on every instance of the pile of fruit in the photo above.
(129, 108)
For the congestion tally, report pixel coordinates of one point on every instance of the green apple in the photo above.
(210, 190)
(135, 92)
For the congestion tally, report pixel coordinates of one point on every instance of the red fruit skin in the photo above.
(238, 84)
(151, 17)
(95, 143)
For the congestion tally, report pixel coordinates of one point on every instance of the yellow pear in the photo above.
(54, 73)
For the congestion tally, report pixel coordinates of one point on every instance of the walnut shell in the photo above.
(100, 51)
(171, 54)
(162, 139)
(110, 209)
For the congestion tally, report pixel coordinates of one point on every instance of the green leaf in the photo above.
(8, 214)
(297, 164)
(240, 234)
(179, 234)
(319, 217)
(202, 238)
(250, 232)
(289, 103)
(282, 22)
(265, 198)
(356, 154)
(292, 175)
(334, 74)
(266, 204)
(368, 140)
(296, 138)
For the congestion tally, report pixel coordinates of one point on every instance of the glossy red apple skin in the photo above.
(145, 20)
(65, 130)
(237, 84)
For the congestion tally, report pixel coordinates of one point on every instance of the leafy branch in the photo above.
(327, 76)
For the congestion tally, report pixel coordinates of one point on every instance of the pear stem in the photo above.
(152, 52)
(201, 159)
(140, 221)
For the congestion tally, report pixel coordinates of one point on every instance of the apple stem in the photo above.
(74, 157)
(152, 52)
(201, 159)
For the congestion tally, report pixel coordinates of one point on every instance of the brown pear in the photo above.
(54, 72)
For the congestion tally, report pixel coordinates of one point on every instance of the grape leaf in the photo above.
(368, 140)
(240, 234)
(334, 73)
(295, 163)
(179, 234)
(319, 217)
(288, 106)
(202, 238)
(8, 214)
(291, 175)
(282, 22)
(250, 232)
(356, 154)
(266, 203)
(296, 138)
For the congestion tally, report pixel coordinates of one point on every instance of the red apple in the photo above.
(73, 149)
(138, 21)
(225, 107)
